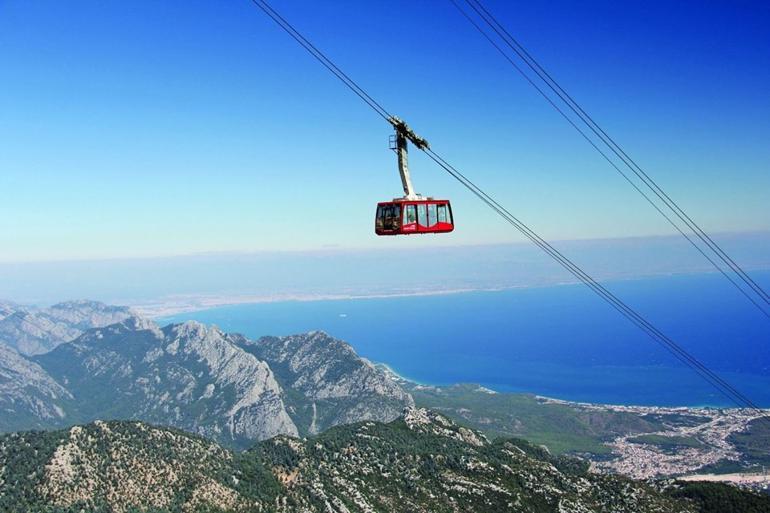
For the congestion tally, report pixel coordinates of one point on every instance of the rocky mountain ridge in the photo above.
(195, 378)
(31, 330)
(329, 383)
(184, 375)
(421, 462)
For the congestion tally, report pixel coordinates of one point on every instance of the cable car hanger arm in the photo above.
(404, 134)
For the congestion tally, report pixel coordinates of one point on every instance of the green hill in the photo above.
(421, 462)
(561, 427)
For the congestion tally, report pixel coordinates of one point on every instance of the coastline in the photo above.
(181, 304)
(522, 370)
(170, 307)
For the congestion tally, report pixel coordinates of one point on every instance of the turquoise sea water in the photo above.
(559, 341)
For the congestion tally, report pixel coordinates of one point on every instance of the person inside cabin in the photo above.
(392, 219)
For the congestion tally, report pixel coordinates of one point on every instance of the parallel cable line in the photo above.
(680, 353)
(611, 162)
(514, 45)
(320, 57)
(611, 143)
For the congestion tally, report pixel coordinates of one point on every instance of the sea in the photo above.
(556, 341)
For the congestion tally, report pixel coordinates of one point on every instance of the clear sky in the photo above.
(150, 128)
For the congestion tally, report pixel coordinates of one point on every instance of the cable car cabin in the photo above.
(406, 217)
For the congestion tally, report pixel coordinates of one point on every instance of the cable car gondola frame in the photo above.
(412, 214)
(408, 217)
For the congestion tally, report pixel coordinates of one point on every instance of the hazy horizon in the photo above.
(355, 272)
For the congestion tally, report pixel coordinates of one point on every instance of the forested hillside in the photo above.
(421, 462)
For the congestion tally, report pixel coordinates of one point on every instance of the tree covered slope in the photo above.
(421, 462)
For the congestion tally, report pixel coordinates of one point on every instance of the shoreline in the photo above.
(396, 375)
(182, 304)
(161, 309)
(636, 408)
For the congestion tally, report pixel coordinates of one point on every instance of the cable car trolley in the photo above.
(412, 213)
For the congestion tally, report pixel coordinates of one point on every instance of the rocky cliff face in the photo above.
(29, 397)
(185, 375)
(420, 463)
(34, 331)
(188, 376)
(327, 383)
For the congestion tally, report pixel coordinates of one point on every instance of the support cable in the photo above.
(680, 353)
(514, 45)
(320, 57)
(611, 162)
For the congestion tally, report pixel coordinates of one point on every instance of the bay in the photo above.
(558, 341)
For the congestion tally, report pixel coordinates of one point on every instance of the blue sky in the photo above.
(161, 128)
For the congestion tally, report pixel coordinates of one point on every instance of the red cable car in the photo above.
(412, 213)
(405, 217)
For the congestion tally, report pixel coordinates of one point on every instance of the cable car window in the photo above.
(422, 216)
(392, 217)
(410, 215)
(442, 218)
(431, 214)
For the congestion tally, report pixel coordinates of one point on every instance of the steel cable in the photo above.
(680, 353)
(525, 56)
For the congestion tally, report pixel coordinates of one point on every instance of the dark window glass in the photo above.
(392, 217)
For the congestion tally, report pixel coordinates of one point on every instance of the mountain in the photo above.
(29, 397)
(7, 308)
(33, 331)
(327, 383)
(118, 467)
(183, 375)
(223, 386)
(421, 462)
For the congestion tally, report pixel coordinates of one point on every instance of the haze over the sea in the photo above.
(169, 284)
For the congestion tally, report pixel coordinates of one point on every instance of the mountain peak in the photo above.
(320, 334)
(81, 303)
(199, 378)
(136, 323)
(423, 420)
(33, 331)
(186, 375)
(336, 385)
(189, 329)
